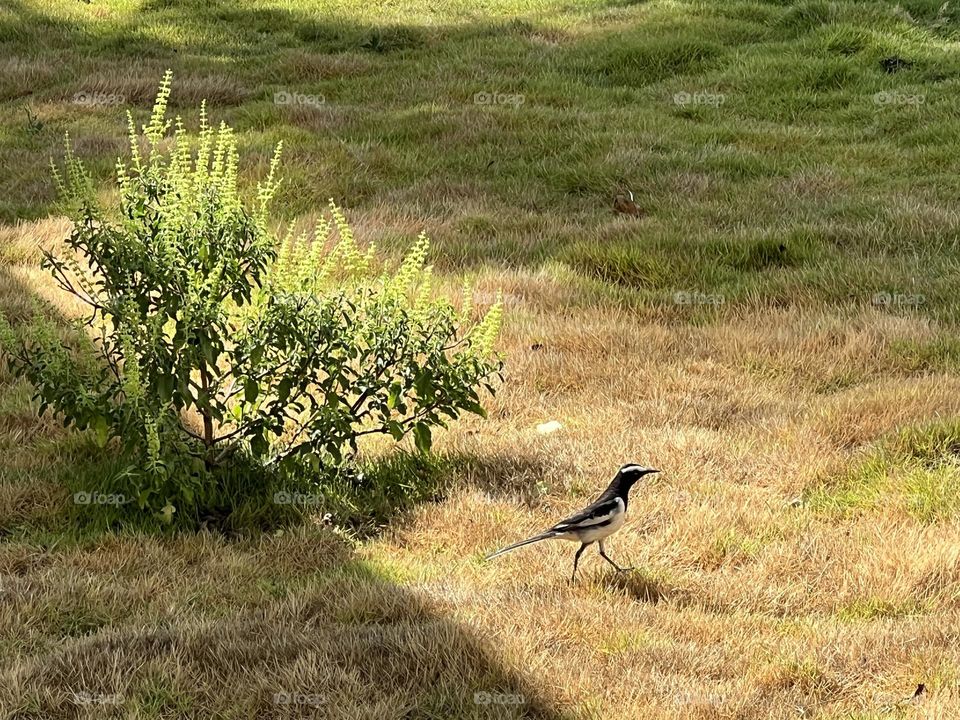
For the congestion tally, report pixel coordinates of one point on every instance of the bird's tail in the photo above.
(536, 538)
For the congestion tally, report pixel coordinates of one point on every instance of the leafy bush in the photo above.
(207, 340)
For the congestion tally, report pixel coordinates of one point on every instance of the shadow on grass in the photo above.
(642, 587)
(86, 489)
(277, 627)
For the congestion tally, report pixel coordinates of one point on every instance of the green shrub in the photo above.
(207, 341)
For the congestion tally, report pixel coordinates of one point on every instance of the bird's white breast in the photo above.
(616, 522)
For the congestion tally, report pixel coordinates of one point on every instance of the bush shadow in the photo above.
(286, 626)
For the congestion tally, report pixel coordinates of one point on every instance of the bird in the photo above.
(596, 522)
(625, 205)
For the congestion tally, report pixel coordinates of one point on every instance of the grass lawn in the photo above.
(777, 332)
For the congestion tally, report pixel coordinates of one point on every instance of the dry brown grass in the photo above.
(747, 602)
(320, 66)
(21, 244)
(21, 74)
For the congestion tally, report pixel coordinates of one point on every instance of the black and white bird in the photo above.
(596, 522)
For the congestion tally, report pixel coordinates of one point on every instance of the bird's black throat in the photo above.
(619, 488)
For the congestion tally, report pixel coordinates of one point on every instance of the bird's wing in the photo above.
(598, 513)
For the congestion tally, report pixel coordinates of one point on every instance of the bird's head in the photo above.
(631, 473)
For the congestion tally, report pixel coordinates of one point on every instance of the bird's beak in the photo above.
(651, 471)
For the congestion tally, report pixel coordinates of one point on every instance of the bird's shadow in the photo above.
(641, 586)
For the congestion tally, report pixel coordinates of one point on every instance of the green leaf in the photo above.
(165, 385)
(424, 386)
(283, 389)
(259, 445)
(422, 437)
(395, 429)
(474, 407)
(250, 390)
(206, 349)
(101, 427)
(334, 450)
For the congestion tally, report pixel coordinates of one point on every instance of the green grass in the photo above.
(871, 608)
(798, 187)
(917, 470)
(940, 354)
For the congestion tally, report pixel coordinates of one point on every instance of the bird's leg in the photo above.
(605, 557)
(576, 559)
